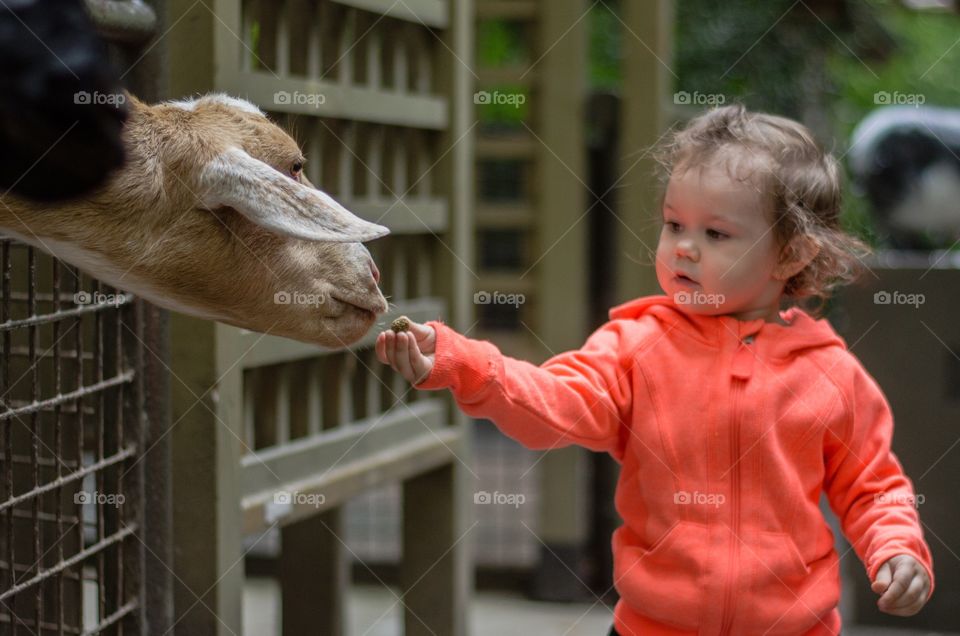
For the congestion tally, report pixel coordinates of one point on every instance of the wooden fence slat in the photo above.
(282, 415)
(375, 141)
(315, 44)
(282, 41)
(324, 98)
(432, 13)
(374, 45)
(298, 460)
(403, 459)
(314, 397)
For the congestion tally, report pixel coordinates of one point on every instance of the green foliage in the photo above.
(922, 67)
(749, 51)
(606, 42)
(924, 63)
(500, 44)
(254, 44)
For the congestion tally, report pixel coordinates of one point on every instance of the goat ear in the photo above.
(278, 203)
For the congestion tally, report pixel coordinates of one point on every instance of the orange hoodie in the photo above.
(727, 432)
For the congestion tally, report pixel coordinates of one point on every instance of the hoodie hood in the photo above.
(772, 340)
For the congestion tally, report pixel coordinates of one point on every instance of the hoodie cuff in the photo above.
(466, 366)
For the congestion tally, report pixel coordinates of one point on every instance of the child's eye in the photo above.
(673, 227)
(715, 234)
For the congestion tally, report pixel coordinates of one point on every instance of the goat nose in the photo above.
(375, 272)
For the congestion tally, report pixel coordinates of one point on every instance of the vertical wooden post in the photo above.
(647, 85)
(435, 571)
(314, 575)
(558, 105)
(205, 479)
(206, 496)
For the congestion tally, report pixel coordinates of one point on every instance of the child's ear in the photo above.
(795, 256)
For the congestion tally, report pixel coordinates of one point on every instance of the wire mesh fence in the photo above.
(70, 440)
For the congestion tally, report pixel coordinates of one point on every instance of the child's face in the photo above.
(717, 232)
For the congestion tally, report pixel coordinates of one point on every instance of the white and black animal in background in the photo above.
(906, 161)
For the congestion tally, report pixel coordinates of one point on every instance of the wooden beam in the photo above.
(432, 13)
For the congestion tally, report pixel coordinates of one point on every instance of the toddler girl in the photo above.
(728, 416)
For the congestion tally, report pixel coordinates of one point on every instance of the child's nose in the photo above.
(687, 249)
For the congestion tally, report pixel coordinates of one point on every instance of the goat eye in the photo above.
(296, 169)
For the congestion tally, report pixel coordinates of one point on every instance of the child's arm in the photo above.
(875, 501)
(576, 397)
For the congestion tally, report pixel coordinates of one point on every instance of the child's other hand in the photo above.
(410, 353)
(904, 584)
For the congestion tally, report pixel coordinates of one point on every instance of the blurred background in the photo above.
(276, 487)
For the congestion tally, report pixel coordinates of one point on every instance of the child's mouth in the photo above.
(680, 279)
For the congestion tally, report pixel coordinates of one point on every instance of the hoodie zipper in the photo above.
(734, 551)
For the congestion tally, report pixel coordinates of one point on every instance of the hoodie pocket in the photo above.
(786, 595)
(664, 580)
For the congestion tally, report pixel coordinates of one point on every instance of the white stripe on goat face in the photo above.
(218, 98)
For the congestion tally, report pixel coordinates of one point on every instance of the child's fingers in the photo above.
(911, 596)
(381, 348)
(912, 601)
(419, 329)
(401, 351)
(402, 359)
(882, 582)
(386, 345)
(898, 585)
(390, 349)
(419, 363)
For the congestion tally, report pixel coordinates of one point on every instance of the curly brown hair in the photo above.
(800, 180)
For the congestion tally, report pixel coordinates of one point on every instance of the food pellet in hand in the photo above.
(400, 324)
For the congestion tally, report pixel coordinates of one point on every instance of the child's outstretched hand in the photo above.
(904, 584)
(409, 352)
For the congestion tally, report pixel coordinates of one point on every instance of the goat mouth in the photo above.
(364, 309)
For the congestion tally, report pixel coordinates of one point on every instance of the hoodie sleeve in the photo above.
(578, 397)
(866, 485)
